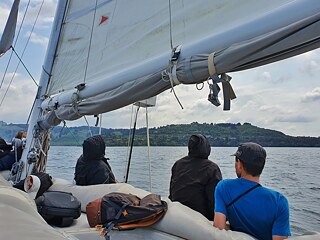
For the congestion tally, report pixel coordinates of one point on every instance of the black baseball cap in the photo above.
(250, 153)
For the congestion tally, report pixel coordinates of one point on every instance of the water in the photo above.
(292, 171)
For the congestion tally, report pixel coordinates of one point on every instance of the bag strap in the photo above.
(242, 194)
(109, 226)
(150, 220)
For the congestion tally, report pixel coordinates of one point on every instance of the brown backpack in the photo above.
(123, 211)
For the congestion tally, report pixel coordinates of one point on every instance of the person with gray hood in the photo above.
(194, 177)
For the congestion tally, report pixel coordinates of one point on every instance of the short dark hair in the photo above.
(254, 168)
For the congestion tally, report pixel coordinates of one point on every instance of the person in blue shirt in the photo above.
(244, 205)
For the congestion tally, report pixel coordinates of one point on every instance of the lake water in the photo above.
(291, 171)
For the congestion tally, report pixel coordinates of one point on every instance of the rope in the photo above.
(174, 92)
(172, 65)
(100, 124)
(93, 20)
(43, 155)
(167, 73)
(148, 142)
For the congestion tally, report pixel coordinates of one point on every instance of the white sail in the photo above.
(10, 28)
(118, 50)
(99, 41)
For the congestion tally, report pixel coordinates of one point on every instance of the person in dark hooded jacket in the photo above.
(7, 156)
(194, 178)
(92, 167)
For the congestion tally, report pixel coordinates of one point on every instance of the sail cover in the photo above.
(115, 52)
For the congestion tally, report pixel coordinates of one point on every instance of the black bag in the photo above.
(124, 211)
(58, 208)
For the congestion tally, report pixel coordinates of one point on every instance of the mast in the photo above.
(32, 149)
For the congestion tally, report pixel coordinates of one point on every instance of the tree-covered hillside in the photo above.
(222, 134)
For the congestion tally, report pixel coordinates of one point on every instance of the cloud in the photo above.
(265, 76)
(293, 118)
(18, 101)
(312, 96)
(35, 38)
(309, 63)
(46, 16)
(273, 109)
(44, 21)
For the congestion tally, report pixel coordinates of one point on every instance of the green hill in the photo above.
(222, 135)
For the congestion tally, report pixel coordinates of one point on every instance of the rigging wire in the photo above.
(148, 143)
(25, 47)
(129, 140)
(170, 24)
(6, 70)
(29, 116)
(131, 147)
(13, 50)
(75, 138)
(85, 118)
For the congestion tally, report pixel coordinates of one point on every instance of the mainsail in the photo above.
(116, 52)
(107, 54)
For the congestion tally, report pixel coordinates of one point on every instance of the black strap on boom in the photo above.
(242, 194)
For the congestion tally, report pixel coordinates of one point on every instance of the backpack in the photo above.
(58, 208)
(123, 211)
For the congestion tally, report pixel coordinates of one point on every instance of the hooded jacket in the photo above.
(194, 177)
(4, 148)
(92, 167)
(7, 156)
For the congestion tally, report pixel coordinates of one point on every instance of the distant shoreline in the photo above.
(219, 135)
(54, 145)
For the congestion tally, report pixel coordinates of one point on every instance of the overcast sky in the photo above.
(283, 96)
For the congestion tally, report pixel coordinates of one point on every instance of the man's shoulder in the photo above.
(227, 182)
(275, 194)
